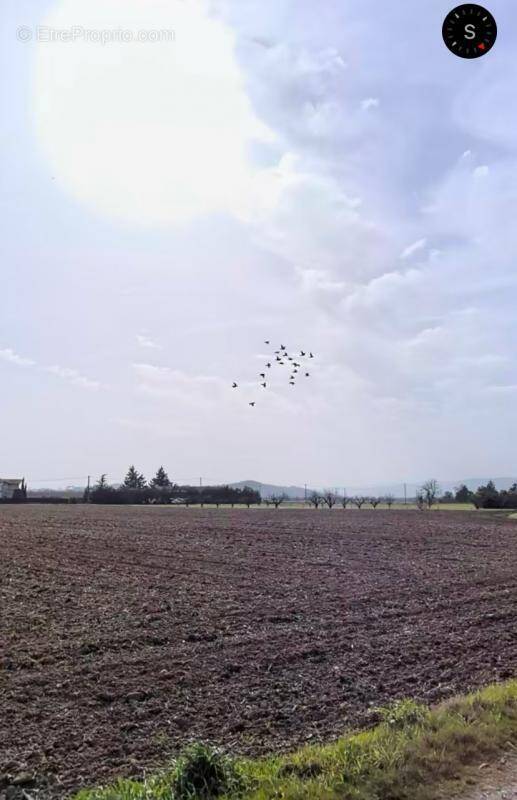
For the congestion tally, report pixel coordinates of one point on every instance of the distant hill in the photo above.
(69, 491)
(266, 489)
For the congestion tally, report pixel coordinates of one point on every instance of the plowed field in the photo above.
(125, 632)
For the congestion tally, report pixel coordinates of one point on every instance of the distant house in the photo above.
(10, 486)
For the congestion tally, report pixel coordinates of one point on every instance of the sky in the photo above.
(184, 179)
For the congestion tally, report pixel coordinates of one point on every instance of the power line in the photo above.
(85, 478)
(53, 480)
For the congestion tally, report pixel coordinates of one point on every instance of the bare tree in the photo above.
(315, 500)
(329, 499)
(374, 501)
(420, 501)
(389, 500)
(430, 491)
(345, 501)
(276, 499)
(358, 501)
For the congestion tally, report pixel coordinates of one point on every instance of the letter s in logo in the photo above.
(470, 31)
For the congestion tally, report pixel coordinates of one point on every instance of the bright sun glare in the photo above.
(149, 132)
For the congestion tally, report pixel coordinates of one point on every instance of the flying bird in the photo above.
(282, 358)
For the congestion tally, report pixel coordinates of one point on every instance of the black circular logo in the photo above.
(469, 31)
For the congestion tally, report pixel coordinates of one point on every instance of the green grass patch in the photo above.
(300, 506)
(413, 753)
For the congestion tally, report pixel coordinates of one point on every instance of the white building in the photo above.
(8, 486)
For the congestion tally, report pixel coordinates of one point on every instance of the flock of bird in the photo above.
(282, 359)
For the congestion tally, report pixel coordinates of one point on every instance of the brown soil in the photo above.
(494, 781)
(125, 632)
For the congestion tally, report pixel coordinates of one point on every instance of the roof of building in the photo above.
(11, 480)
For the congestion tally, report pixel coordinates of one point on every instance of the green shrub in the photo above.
(403, 714)
(203, 773)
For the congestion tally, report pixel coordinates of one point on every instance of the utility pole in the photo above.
(200, 483)
(305, 492)
(88, 490)
(405, 494)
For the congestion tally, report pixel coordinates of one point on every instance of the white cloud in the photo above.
(370, 102)
(13, 358)
(481, 171)
(310, 220)
(164, 382)
(413, 248)
(147, 342)
(384, 290)
(72, 376)
(509, 389)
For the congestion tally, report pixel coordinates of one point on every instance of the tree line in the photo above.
(485, 496)
(161, 490)
(330, 499)
(428, 495)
